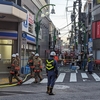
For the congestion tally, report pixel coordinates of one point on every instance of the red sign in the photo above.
(98, 30)
(94, 30)
(31, 18)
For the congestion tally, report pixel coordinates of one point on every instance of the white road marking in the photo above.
(96, 77)
(61, 87)
(73, 77)
(44, 80)
(84, 75)
(29, 81)
(61, 77)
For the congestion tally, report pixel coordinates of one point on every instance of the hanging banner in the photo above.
(98, 30)
(94, 30)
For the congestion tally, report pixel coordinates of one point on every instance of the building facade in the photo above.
(17, 30)
(96, 28)
(88, 22)
(11, 17)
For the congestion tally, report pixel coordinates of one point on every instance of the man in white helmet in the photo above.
(52, 72)
(90, 63)
(14, 70)
(30, 62)
(37, 67)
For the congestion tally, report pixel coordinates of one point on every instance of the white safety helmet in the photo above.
(52, 53)
(14, 55)
(33, 53)
(90, 55)
(36, 55)
(17, 54)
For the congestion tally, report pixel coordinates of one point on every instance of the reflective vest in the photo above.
(49, 64)
(90, 59)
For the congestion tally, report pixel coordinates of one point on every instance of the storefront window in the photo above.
(5, 51)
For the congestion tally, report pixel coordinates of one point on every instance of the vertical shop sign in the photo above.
(98, 30)
(94, 30)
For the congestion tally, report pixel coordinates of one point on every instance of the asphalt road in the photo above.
(80, 90)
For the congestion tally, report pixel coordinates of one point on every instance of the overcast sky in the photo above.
(61, 18)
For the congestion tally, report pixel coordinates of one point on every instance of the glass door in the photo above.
(6, 52)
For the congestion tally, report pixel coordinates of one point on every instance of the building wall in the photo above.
(96, 29)
(33, 7)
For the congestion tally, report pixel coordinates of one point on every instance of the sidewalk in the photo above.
(4, 79)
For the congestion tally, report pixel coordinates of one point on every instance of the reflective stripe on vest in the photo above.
(49, 65)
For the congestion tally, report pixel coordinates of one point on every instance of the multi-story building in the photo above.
(11, 17)
(17, 30)
(88, 22)
(96, 28)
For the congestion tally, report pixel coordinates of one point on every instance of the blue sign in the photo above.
(24, 35)
(25, 23)
(90, 40)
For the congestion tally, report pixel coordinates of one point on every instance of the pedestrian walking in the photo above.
(90, 63)
(37, 68)
(52, 73)
(30, 63)
(14, 70)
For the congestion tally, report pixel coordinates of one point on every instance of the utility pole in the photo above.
(79, 33)
(74, 13)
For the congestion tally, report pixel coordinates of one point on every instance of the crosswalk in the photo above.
(72, 77)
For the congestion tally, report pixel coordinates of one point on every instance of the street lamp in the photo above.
(37, 23)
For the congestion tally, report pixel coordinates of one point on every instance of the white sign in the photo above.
(29, 21)
(90, 44)
(30, 18)
(24, 41)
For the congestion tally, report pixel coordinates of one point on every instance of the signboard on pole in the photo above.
(24, 41)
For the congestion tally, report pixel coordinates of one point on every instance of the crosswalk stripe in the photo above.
(29, 81)
(73, 77)
(61, 77)
(44, 80)
(84, 75)
(96, 77)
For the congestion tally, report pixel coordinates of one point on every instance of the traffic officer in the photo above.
(14, 70)
(52, 72)
(30, 62)
(18, 61)
(37, 67)
(90, 63)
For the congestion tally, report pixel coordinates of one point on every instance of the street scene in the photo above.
(49, 50)
(69, 85)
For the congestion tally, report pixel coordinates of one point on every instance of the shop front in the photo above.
(11, 17)
(7, 43)
(28, 34)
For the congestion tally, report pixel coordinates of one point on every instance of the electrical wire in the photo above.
(66, 14)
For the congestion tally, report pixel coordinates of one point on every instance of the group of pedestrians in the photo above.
(35, 64)
(86, 64)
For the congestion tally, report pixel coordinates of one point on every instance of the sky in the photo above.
(61, 18)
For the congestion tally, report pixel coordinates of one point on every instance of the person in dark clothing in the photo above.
(52, 73)
(90, 63)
